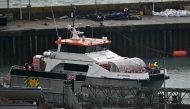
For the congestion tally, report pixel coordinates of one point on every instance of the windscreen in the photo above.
(132, 64)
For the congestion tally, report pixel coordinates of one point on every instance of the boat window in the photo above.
(76, 67)
(81, 49)
(113, 68)
(97, 48)
(64, 48)
(127, 65)
(106, 66)
(72, 48)
(90, 49)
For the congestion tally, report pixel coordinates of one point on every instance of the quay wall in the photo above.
(43, 12)
(144, 41)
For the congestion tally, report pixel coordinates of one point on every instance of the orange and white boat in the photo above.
(87, 61)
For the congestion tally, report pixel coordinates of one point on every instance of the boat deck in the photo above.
(62, 23)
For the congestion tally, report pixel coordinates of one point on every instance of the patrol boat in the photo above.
(86, 61)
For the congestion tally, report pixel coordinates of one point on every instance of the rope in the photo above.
(140, 44)
(54, 22)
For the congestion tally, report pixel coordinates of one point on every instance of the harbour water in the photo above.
(38, 3)
(178, 69)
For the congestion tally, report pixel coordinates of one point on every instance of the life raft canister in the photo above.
(125, 9)
(143, 70)
(128, 71)
(134, 71)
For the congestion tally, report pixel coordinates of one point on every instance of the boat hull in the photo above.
(108, 82)
(155, 84)
(54, 81)
(155, 81)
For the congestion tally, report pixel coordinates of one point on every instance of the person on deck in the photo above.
(26, 66)
(152, 67)
(155, 64)
(32, 67)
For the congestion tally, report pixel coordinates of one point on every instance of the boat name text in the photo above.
(123, 75)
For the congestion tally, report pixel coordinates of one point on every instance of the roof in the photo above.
(84, 41)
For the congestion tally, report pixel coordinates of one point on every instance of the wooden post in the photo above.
(180, 40)
(14, 51)
(137, 46)
(158, 44)
(1, 52)
(175, 47)
(186, 40)
(152, 39)
(125, 50)
(165, 42)
(31, 46)
(20, 56)
(147, 44)
(8, 48)
(142, 42)
(24, 44)
(131, 45)
(170, 40)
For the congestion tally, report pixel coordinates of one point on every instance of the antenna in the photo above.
(54, 22)
(73, 15)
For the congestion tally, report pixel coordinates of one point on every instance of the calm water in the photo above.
(178, 70)
(36, 3)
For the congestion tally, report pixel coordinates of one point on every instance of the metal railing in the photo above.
(53, 97)
(120, 97)
(4, 79)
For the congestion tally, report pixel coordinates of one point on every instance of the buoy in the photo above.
(179, 53)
